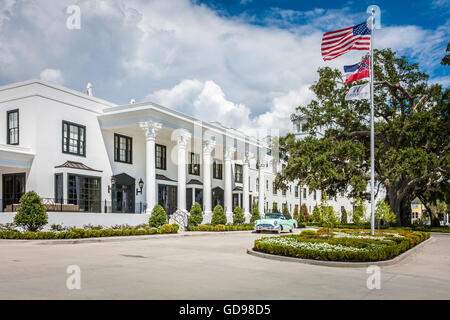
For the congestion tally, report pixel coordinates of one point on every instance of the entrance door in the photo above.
(199, 196)
(217, 197)
(235, 200)
(167, 198)
(188, 199)
(123, 198)
(13, 188)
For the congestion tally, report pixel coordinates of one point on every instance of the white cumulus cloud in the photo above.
(53, 76)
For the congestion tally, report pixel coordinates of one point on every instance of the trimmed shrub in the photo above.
(359, 214)
(158, 217)
(255, 213)
(238, 217)
(275, 208)
(286, 212)
(358, 249)
(344, 216)
(308, 233)
(297, 215)
(78, 233)
(221, 227)
(304, 212)
(218, 216)
(196, 216)
(169, 228)
(316, 217)
(31, 214)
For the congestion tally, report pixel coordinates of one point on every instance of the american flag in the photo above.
(336, 43)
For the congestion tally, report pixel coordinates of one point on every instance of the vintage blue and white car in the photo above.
(275, 222)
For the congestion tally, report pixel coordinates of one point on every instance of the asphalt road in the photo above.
(213, 266)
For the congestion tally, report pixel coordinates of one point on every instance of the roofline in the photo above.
(209, 125)
(57, 87)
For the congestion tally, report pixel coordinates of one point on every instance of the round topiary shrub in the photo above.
(196, 216)
(238, 217)
(31, 214)
(218, 216)
(158, 217)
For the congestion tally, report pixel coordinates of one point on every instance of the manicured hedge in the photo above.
(433, 229)
(83, 233)
(221, 227)
(375, 250)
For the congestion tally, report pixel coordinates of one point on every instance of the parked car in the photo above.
(275, 222)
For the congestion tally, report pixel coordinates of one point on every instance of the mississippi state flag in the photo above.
(339, 42)
(357, 71)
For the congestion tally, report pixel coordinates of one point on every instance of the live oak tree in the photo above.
(411, 136)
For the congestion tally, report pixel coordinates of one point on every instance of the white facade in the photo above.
(68, 153)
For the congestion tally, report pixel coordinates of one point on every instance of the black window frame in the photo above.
(274, 188)
(296, 191)
(8, 129)
(238, 177)
(128, 148)
(97, 204)
(217, 169)
(163, 159)
(67, 144)
(192, 158)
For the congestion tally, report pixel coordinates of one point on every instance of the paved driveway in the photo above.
(213, 266)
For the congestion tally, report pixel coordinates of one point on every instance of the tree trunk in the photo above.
(394, 203)
(405, 212)
(434, 215)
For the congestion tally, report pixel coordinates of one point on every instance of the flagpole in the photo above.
(372, 133)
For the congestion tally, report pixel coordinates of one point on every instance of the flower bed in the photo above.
(342, 245)
(84, 233)
(221, 227)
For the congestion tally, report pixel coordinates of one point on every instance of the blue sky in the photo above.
(247, 64)
(425, 13)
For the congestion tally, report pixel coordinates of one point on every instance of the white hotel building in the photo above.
(95, 162)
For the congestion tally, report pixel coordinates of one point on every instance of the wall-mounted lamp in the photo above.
(113, 182)
(141, 185)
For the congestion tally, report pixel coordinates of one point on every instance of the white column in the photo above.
(245, 198)
(208, 147)
(182, 137)
(229, 152)
(262, 167)
(151, 129)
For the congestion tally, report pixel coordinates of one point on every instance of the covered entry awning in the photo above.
(16, 157)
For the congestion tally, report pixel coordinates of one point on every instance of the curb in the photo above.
(341, 264)
(121, 238)
(443, 234)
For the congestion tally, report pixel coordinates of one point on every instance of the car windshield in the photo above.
(274, 216)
